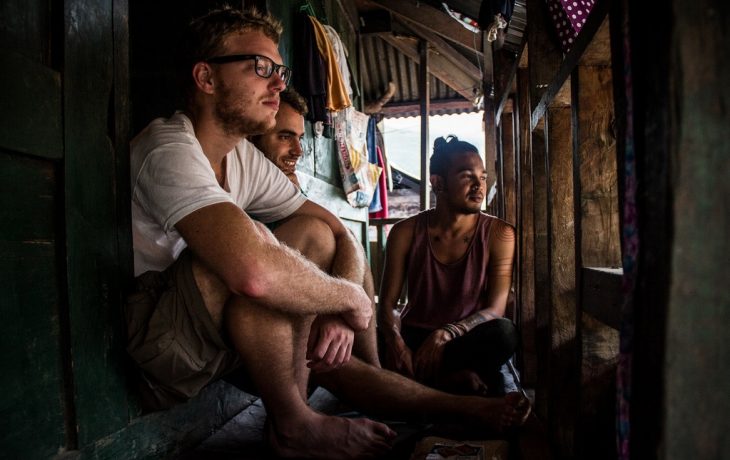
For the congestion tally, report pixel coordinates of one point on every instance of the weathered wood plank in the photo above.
(434, 19)
(331, 197)
(543, 332)
(558, 76)
(91, 221)
(526, 291)
(508, 168)
(564, 348)
(30, 107)
(440, 46)
(544, 54)
(601, 245)
(167, 434)
(697, 349)
(31, 400)
(598, 228)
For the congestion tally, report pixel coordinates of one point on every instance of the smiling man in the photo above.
(282, 145)
(457, 263)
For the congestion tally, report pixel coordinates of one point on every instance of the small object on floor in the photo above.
(436, 448)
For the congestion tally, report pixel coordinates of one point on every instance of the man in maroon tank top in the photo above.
(457, 265)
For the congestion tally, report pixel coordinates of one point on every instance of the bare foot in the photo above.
(326, 437)
(517, 410)
(499, 414)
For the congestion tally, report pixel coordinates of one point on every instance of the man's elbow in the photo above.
(252, 282)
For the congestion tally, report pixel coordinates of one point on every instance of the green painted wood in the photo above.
(166, 434)
(31, 413)
(697, 364)
(94, 295)
(30, 106)
(332, 198)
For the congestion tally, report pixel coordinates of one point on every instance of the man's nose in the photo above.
(297, 149)
(276, 82)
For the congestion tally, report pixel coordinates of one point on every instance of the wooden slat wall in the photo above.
(563, 381)
(599, 246)
(33, 325)
(526, 230)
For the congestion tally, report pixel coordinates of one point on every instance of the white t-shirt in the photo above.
(171, 178)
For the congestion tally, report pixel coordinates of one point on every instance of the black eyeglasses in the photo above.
(264, 66)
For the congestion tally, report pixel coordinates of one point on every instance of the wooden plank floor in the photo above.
(242, 437)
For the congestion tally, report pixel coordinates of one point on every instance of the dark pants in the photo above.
(483, 350)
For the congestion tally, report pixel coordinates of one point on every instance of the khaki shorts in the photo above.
(172, 338)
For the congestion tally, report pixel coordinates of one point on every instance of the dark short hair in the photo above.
(444, 150)
(295, 100)
(204, 36)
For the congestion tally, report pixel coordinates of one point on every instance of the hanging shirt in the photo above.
(337, 97)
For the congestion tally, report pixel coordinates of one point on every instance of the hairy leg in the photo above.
(271, 358)
(388, 394)
(272, 346)
(314, 239)
(366, 342)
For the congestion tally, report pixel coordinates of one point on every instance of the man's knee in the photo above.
(311, 236)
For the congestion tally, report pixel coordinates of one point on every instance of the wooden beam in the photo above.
(439, 66)
(424, 91)
(508, 168)
(544, 54)
(433, 19)
(439, 45)
(505, 68)
(557, 77)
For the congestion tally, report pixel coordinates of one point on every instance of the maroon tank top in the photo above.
(441, 293)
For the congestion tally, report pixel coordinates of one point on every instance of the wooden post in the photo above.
(699, 305)
(525, 227)
(544, 55)
(424, 92)
(563, 378)
(508, 191)
(508, 168)
(598, 245)
(543, 333)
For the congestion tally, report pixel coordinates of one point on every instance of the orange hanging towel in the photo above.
(337, 97)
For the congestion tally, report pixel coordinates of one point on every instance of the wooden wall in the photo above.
(562, 193)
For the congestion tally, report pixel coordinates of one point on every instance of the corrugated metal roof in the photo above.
(383, 63)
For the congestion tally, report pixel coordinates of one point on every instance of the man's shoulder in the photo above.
(161, 131)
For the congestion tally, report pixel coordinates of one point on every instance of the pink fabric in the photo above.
(569, 17)
(382, 185)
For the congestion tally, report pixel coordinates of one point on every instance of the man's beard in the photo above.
(230, 111)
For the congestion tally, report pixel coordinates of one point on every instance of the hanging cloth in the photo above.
(340, 53)
(383, 192)
(568, 18)
(375, 204)
(310, 71)
(337, 98)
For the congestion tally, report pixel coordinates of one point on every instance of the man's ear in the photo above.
(437, 183)
(203, 77)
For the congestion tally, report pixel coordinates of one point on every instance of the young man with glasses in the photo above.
(217, 290)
